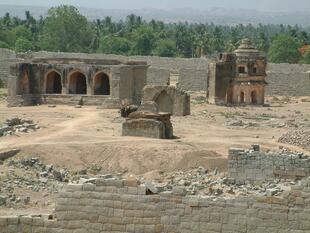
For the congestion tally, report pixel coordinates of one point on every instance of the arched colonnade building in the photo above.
(70, 81)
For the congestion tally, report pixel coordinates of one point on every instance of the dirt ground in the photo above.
(77, 138)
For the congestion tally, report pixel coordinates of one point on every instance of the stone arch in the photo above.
(253, 97)
(101, 84)
(53, 83)
(164, 102)
(77, 82)
(24, 83)
(241, 98)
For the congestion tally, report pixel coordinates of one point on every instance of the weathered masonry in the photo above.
(128, 206)
(238, 78)
(123, 206)
(72, 81)
(254, 166)
(168, 99)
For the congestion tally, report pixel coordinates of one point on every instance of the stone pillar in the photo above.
(89, 90)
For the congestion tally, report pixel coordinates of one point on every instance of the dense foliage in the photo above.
(65, 29)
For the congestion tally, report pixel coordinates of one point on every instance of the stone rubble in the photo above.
(298, 137)
(30, 174)
(200, 181)
(15, 125)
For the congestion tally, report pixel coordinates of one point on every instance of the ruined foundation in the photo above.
(148, 124)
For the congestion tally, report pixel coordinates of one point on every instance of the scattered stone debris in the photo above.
(15, 125)
(297, 137)
(200, 181)
(26, 176)
(240, 123)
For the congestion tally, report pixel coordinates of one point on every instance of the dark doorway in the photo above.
(24, 86)
(101, 84)
(53, 83)
(241, 101)
(253, 97)
(77, 83)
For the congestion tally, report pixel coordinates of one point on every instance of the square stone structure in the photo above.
(168, 98)
(76, 81)
(148, 124)
(238, 78)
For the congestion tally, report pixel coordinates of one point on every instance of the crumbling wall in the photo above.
(123, 206)
(168, 98)
(255, 166)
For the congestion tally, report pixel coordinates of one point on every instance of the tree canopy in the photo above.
(284, 48)
(65, 29)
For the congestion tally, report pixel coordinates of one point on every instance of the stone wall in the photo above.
(5, 55)
(124, 206)
(255, 166)
(288, 80)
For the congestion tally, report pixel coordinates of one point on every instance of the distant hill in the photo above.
(217, 15)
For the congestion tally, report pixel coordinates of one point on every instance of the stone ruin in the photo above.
(76, 81)
(255, 166)
(168, 98)
(152, 119)
(112, 204)
(148, 122)
(238, 78)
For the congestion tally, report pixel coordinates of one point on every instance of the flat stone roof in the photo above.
(86, 61)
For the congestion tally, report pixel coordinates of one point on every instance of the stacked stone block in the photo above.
(124, 206)
(249, 166)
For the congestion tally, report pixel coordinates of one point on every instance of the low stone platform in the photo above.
(147, 124)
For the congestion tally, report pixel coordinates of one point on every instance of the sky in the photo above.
(261, 5)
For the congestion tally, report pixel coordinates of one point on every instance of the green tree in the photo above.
(184, 41)
(262, 42)
(143, 41)
(66, 30)
(22, 31)
(23, 45)
(4, 45)
(306, 58)
(165, 48)
(284, 49)
(114, 44)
